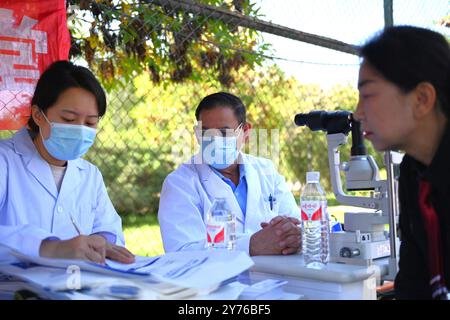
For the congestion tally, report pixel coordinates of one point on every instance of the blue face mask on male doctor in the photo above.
(220, 152)
(68, 141)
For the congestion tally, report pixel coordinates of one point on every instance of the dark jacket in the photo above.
(412, 281)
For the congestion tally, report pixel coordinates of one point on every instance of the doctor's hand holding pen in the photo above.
(280, 236)
(92, 248)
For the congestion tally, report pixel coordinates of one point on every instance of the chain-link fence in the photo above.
(158, 59)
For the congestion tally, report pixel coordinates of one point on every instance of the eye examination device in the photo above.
(365, 238)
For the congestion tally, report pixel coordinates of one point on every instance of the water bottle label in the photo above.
(312, 210)
(215, 233)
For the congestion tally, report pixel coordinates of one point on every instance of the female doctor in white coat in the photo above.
(266, 212)
(52, 203)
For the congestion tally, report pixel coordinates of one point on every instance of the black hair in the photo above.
(223, 99)
(407, 56)
(57, 78)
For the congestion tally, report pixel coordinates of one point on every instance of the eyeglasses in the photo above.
(222, 132)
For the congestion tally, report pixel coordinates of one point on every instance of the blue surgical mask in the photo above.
(219, 152)
(68, 141)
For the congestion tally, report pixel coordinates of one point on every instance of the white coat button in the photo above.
(60, 209)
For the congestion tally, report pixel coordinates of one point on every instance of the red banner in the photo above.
(33, 34)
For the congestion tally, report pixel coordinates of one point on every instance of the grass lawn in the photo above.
(143, 237)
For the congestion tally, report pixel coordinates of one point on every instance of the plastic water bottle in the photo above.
(315, 223)
(221, 226)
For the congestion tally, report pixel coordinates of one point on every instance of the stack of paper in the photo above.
(177, 275)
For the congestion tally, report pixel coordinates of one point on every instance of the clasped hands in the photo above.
(281, 236)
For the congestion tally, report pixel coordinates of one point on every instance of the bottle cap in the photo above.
(312, 177)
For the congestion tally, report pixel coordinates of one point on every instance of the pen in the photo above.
(79, 233)
(75, 225)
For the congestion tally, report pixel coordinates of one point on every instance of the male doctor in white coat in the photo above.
(267, 216)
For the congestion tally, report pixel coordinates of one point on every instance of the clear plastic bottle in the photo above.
(315, 223)
(221, 226)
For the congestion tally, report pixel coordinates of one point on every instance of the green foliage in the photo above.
(148, 132)
(158, 62)
(124, 38)
(5, 134)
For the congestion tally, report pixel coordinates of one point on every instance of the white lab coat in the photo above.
(188, 193)
(31, 209)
